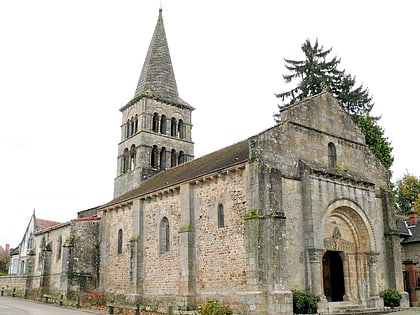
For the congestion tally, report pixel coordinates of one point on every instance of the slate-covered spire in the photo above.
(157, 77)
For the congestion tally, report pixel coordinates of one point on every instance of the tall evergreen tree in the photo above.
(317, 73)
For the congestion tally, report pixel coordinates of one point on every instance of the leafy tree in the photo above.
(407, 194)
(4, 265)
(375, 138)
(317, 73)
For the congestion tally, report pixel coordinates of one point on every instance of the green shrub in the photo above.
(391, 297)
(213, 307)
(304, 302)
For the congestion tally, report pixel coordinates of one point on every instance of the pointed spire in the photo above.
(157, 77)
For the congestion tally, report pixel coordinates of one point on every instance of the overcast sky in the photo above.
(67, 67)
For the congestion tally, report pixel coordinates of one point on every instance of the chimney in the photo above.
(7, 249)
(412, 218)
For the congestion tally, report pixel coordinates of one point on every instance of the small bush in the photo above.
(391, 297)
(96, 298)
(304, 302)
(213, 307)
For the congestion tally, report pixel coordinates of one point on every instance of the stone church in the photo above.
(303, 205)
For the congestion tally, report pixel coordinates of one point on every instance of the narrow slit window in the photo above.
(120, 241)
(164, 239)
(220, 216)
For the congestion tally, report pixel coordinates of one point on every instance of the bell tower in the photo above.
(156, 123)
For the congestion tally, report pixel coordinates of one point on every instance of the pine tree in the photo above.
(317, 73)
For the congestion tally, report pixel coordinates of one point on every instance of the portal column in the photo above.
(315, 258)
(372, 260)
(346, 269)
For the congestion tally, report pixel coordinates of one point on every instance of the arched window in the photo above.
(163, 125)
(136, 123)
(173, 127)
(120, 241)
(181, 131)
(59, 247)
(173, 158)
(163, 158)
(220, 216)
(132, 122)
(124, 161)
(132, 157)
(164, 240)
(154, 157)
(332, 155)
(181, 157)
(127, 129)
(155, 122)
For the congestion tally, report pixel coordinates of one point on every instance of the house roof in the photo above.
(402, 226)
(157, 77)
(212, 163)
(410, 233)
(41, 224)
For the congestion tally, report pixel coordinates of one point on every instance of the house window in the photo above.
(120, 241)
(220, 216)
(164, 236)
(332, 155)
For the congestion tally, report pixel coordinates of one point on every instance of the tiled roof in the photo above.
(93, 218)
(41, 224)
(212, 163)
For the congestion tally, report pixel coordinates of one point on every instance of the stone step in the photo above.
(340, 308)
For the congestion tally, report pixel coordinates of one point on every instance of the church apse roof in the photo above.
(157, 79)
(212, 163)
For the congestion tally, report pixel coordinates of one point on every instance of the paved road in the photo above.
(410, 311)
(14, 306)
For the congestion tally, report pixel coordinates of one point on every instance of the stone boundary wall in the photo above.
(10, 283)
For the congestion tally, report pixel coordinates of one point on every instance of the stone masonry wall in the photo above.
(83, 257)
(115, 268)
(221, 251)
(13, 283)
(161, 271)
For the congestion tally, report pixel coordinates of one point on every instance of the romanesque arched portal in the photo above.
(348, 255)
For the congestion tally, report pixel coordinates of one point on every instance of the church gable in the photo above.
(323, 113)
